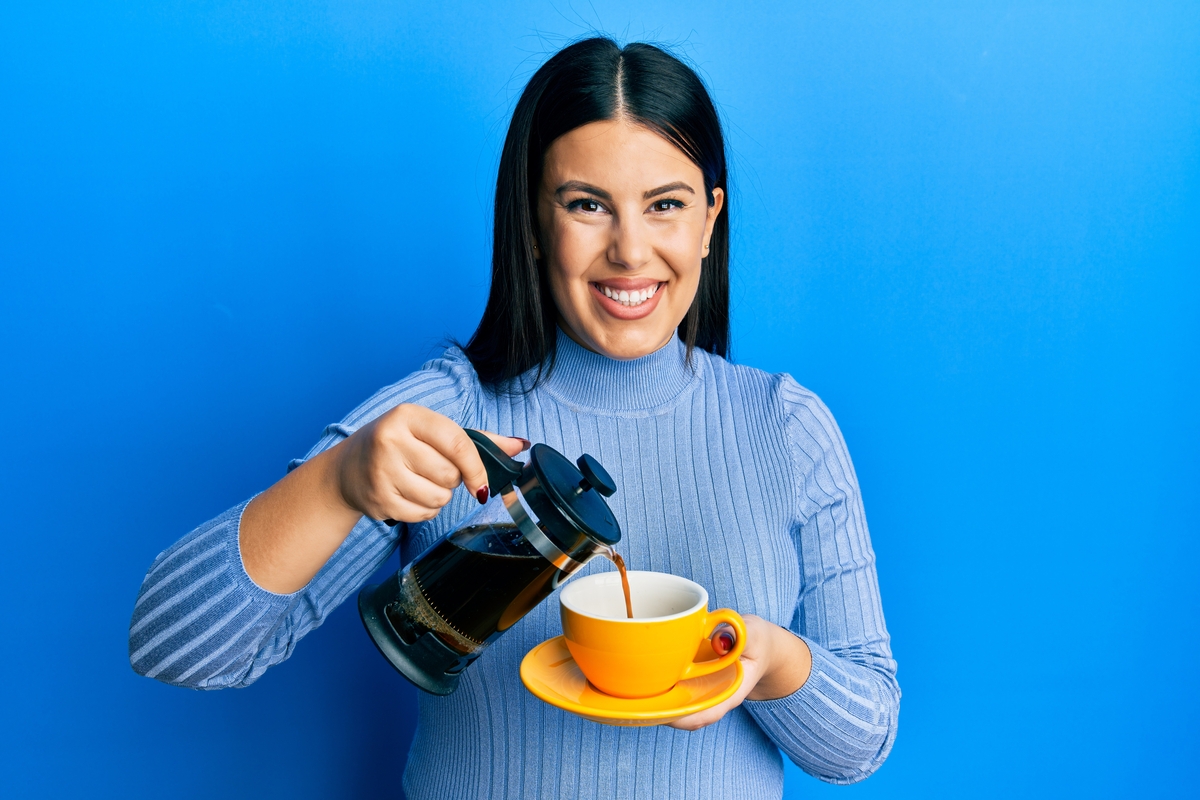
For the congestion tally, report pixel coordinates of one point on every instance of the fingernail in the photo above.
(525, 443)
(482, 495)
(723, 639)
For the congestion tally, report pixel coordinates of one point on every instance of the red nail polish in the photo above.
(525, 443)
(723, 639)
(482, 495)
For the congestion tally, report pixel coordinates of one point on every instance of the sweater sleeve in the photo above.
(840, 725)
(199, 619)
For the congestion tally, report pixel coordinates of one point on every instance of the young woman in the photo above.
(604, 332)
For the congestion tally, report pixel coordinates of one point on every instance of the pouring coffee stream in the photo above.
(615, 557)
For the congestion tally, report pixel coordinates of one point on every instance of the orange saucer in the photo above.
(549, 672)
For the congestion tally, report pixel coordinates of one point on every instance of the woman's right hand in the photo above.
(402, 467)
(405, 464)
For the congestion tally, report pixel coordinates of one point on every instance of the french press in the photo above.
(544, 521)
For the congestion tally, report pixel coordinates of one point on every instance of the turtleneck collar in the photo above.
(595, 382)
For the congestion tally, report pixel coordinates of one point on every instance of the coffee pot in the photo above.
(545, 520)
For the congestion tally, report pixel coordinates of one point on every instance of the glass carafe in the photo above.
(544, 521)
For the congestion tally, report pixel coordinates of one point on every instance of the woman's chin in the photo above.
(624, 345)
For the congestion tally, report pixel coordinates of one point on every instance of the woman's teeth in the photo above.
(627, 298)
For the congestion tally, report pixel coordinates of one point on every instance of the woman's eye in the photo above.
(586, 206)
(661, 206)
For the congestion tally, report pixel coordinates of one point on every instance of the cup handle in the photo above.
(697, 669)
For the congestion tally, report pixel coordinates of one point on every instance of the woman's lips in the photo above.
(633, 306)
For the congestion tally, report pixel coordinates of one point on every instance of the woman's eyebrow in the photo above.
(670, 187)
(580, 186)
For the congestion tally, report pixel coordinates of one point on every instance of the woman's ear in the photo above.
(714, 211)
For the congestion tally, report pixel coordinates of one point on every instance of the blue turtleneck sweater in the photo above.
(735, 478)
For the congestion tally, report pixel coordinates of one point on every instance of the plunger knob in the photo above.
(595, 476)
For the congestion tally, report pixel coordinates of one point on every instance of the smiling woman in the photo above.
(615, 161)
(605, 331)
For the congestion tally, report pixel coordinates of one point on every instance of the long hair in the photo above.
(593, 80)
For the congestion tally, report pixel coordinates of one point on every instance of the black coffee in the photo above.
(481, 593)
(615, 557)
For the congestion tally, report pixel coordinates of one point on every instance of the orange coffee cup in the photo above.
(649, 654)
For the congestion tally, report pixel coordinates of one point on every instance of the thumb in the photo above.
(509, 444)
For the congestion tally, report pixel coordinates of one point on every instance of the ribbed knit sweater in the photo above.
(732, 477)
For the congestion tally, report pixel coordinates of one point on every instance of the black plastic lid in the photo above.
(577, 498)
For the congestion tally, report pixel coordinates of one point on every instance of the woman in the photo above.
(604, 332)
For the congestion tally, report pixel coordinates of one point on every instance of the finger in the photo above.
(398, 509)
(423, 460)
(421, 491)
(701, 719)
(447, 438)
(509, 444)
(723, 639)
(708, 716)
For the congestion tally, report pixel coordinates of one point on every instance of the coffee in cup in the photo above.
(649, 654)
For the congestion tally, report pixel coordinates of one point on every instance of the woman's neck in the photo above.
(588, 379)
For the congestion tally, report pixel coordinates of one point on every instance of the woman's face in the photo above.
(623, 223)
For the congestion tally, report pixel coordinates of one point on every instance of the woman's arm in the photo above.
(824, 689)
(235, 595)
(403, 465)
(841, 724)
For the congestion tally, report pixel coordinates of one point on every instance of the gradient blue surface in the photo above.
(974, 230)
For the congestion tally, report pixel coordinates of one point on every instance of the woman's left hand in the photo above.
(775, 664)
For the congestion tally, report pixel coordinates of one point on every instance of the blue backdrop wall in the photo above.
(972, 228)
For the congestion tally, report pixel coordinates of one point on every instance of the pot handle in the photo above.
(501, 470)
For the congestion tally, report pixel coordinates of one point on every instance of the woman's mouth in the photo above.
(628, 299)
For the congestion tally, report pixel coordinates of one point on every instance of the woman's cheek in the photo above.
(575, 251)
(684, 252)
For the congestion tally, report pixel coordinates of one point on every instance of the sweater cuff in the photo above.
(261, 598)
(837, 726)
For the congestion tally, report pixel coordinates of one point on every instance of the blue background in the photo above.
(972, 228)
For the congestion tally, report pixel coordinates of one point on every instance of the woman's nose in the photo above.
(630, 246)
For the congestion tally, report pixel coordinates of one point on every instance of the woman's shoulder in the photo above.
(447, 384)
(450, 369)
(778, 396)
